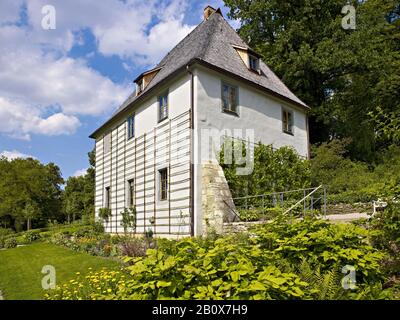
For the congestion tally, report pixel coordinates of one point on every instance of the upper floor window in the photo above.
(287, 121)
(107, 143)
(229, 98)
(139, 86)
(254, 63)
(163, 106)
(163, 174)
(131, 126)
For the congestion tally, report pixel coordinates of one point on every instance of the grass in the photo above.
(20, 268)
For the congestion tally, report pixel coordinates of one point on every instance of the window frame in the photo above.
(107, 196)
(257, 62)
(160, 184)
(130, 127)
(225, 110)
(289, 128)
(163, 95)
(131, 193)
(140, 86)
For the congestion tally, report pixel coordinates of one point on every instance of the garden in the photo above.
(301, 259)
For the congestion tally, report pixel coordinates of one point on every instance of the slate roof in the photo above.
(212, 42)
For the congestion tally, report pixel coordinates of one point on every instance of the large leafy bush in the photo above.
(278, 260)
(274, 170)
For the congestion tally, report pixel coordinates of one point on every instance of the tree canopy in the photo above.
(341, 74)
(29, 191)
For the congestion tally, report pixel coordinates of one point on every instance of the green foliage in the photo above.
(386, 225)
(341, 74)
(78, 197)
(29, 191)
(31, 236)
(277, 170)
(277, 260)
(128, 221)
(10, 243)
(105, 213)
(350, 181)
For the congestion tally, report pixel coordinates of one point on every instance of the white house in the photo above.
(148, 154)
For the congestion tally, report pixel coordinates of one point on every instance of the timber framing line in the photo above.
(166, 145)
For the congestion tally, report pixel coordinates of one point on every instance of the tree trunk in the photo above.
(29, 224)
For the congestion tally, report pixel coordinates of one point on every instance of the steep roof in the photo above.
(212, 43)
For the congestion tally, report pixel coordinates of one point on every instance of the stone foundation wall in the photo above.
(217, 203)
(237, 227)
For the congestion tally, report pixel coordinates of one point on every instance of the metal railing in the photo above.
(309, 198)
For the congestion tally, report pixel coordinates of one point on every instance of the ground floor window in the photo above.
(163, 174)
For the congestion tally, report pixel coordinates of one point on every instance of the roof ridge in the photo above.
(212, 35)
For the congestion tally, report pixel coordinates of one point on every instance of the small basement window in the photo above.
(287, 121)
(163, 107)
(163, 174)
(131, 126)
(229, 98)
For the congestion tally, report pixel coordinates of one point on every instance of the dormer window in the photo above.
(254, 63)
(139, 86)
(250, 58)
(144, 79)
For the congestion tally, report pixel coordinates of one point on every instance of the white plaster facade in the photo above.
(257, 110)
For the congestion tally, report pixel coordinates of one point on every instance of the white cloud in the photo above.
(45, 91)
(142, 31)
(14, 154)
(19, 120)
(79, 173)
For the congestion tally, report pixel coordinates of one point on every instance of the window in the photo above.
(107, 143)
(163, 173)
(131, 193)
(254, 63)
(131, 126)
(229, 98)
(139, 86)
(108, 198)
(163, 107)
(287, 121)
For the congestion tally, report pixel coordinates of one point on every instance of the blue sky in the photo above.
(57, 86)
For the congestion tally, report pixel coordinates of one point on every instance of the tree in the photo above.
(31, 211)
(78, 201)
(341, 74)
(30, 192)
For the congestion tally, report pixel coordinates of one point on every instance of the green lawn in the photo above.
(20, 268)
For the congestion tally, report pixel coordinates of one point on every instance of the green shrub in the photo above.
(277, 260)
(31, 236)
(10, 243)
(274, 170)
